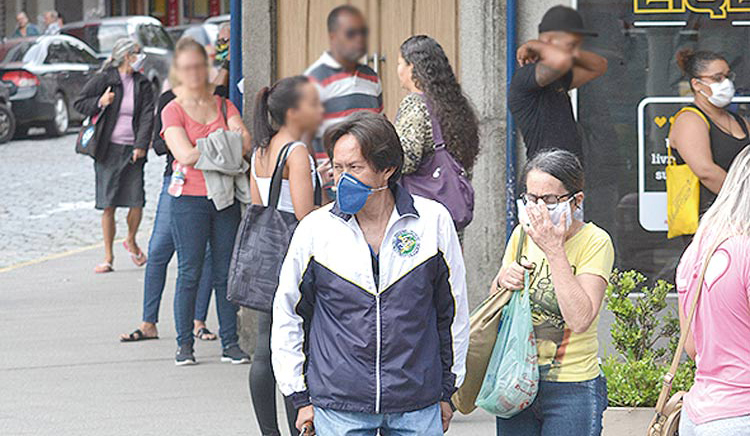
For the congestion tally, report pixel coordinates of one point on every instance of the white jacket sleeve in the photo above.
(453, 309)
(292, 309)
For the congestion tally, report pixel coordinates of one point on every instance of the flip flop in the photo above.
(104, 267)
(136, 336)
(138, 259)
(203, 331)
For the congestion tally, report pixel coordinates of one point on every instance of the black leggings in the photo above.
(263, 384)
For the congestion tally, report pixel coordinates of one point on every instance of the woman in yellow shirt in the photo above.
(569, 263)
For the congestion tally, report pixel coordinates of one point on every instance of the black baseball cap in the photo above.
(564, 19)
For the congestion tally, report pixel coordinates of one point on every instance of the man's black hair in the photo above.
(377, 138)
(333, 16)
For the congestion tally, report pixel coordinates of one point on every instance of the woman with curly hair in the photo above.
(424, 71)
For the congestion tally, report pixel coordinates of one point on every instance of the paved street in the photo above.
(48, 202)
(63, 372)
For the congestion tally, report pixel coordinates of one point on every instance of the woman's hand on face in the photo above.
(511, 277)
(548, 236)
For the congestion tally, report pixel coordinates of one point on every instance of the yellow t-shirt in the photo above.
(570, 357)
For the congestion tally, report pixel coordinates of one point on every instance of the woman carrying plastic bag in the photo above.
(568, 263)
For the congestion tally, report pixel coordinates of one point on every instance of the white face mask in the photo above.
(137, 64)
(721, 92)
(556, 213)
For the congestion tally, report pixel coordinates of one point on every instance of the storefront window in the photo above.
(625, 116)
(196, 10)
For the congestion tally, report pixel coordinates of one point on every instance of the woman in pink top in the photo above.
(193, 114)
(719, 340)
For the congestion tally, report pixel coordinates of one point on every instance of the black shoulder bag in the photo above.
(260, 246)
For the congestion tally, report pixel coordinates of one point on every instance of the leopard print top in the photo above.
(414, 128)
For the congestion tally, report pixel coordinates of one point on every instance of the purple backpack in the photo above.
(441, 178)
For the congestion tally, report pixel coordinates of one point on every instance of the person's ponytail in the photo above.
(684, 59)
(262, 129)
(271, 106)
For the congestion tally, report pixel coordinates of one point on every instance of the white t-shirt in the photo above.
(285, 197)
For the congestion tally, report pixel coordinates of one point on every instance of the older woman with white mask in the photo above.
(569, 262)
(125, 99)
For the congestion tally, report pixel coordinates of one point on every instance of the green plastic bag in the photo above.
(512, 379)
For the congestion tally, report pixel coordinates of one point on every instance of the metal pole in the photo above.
(235, 51)
(510, 132)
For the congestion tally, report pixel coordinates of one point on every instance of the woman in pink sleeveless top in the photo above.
(719, 339)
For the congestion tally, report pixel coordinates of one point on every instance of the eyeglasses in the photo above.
(550, 200)
(222, 41)
(353, 33)
(719, 77)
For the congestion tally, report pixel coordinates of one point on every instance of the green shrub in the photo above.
(634, 377)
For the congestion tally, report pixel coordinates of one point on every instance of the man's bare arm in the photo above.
(587, 66)
(551, 62)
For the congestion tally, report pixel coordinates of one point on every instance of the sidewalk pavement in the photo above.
(64, 372)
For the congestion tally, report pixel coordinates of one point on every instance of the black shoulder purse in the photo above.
(261, 245)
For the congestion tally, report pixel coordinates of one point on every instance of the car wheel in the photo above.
(7, 124)
(59, 125)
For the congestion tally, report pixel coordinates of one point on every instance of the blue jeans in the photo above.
(160, 251)
(561, 409)
(195, 223)
(737, 426)
(423, 422)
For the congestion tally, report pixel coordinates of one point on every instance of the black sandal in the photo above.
(203, 332)
(136, 336)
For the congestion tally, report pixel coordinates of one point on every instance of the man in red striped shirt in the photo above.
(345, 84)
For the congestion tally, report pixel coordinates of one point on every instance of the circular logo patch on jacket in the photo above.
(406, 243)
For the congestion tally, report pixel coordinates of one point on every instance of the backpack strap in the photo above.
(224, 110)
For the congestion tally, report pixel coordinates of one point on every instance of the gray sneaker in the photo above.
(235, 355)
(184, 356)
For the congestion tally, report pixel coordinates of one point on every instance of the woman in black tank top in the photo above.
(705, 135)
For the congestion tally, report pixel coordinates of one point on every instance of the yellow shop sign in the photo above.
(716, 9)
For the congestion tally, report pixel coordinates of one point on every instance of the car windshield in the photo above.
(101, 37)
(109, 34)
(23, 51)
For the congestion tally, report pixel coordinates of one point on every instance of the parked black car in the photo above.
(156, 44)
(44, 75)
(7, 120)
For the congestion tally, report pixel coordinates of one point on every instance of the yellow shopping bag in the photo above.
(683, 194)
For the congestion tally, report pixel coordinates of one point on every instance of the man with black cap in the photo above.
(550, 67)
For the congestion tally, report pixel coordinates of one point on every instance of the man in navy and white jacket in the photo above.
(370, 320)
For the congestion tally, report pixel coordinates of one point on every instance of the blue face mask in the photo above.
(351, 194)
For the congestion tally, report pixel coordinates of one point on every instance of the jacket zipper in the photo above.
(377, 352)
(378, 333)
